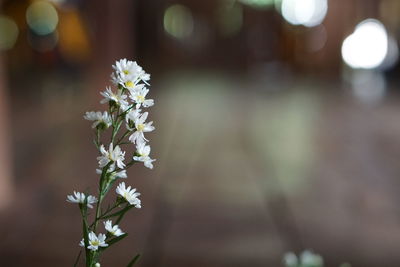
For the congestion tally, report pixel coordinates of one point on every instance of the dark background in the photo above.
(266, 140)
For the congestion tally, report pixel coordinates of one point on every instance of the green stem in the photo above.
(98, 139)
(77, 258)
(101, 195)
(83, 208)
(122, 137)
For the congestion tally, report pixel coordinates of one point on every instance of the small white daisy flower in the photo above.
(97, 265)
(114, 174)
(80, 199)
(128, 73)
(125, 67)
(131, 116)
(119, 98)
(139, 97)
(98, 118)
(96, 241)
(143, 151)
(114, 230)
(130, 195)
(141, 127)
(82, 243)
(115, 155)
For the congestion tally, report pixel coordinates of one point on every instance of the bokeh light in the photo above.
(8, 32)
(367, 46)
(309, 13)
(42, 17)
(178, 21)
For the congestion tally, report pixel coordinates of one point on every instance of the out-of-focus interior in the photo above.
(277, 129)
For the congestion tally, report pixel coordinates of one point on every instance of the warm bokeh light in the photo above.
(367, 46)
(42, 17)
(309, 13)
(8, 32)
(178, 21)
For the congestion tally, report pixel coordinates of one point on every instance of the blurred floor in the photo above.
(244, 172)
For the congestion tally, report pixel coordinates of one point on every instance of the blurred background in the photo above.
(277, 129)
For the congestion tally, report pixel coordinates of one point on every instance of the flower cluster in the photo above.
(126, 102)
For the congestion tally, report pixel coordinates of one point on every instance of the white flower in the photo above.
(82, 243)
(80, 198)
(132, 115)
(114, 174)
(98, 118)
(119, 98)
(144, 151)
(128, 73)
(129, 194)
(97, 265)
(96, 241)
(114, 155)
(139, 97)
(126, 67)
(114, 230)
(141, 127)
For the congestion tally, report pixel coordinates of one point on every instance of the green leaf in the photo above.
(133, 261)
(118, 213)
(116, 239)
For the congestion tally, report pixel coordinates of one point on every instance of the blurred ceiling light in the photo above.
(367, 46)
(309, 13)
(42, 17)
(259, 3)
(178, 21)
(230, 19)
(8, 32)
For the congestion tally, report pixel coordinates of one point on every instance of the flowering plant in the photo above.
(124, 108)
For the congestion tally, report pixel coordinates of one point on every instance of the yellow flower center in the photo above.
(140, 98)
(126, 72)
(140, 127)
(95, 243)
(129, 84)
